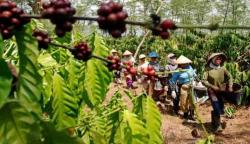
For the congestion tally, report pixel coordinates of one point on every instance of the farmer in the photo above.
(173, 89)
(171, 60)
(155, 84)
(128, 61)
(184, 80)
(143, 64)
(114, 53)
(215, 78)
(117, 73)
(128, 58)
(154, 61)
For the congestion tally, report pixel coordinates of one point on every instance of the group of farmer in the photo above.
(177, 79)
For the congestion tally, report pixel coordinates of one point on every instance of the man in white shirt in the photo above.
(143, 63)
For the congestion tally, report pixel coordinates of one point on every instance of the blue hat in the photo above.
(153, 54)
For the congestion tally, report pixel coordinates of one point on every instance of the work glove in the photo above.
(230, 89)
(173, 94)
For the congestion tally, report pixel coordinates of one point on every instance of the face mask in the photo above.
(172, 61)
(153, 63)
(126, 58)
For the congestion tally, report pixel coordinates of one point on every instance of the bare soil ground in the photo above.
(175, 131)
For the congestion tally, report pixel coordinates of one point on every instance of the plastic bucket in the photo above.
(235, 96)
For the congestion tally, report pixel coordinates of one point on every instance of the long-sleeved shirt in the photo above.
(155, 65)
(170, 67)
(183, 77)
(217, 77)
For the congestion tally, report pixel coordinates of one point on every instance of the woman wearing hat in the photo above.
(128, 60)
(153, 60)
(114, 52)
(128, 57)
(143, 64)
(155, 85)
(117, 73)
(215, 78)
(173, 89)
(184, 80)
(171, 60)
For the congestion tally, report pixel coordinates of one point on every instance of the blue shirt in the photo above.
(183, 77)
(155, 65)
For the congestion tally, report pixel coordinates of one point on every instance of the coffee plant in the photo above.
(53, 90)
(60, 100)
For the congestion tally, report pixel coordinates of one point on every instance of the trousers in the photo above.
(217, 101)
(186, 98)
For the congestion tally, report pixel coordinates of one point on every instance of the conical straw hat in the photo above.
(170, 55)
(183, 60)
(127, 53)
(113, 51)
(224, 57)
(142, 56)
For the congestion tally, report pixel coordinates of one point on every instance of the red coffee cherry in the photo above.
(11, 17)
(82, 51)
(61, 14)
(112, 18)
(43, 38)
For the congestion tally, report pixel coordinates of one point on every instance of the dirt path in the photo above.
(176, 132)
(236, 132)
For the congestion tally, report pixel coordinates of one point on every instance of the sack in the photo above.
(185, 87)
(234, 96)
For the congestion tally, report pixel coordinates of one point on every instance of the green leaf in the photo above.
(134, 129)
(64, 104)
(5, 81)
(47, 86)
(53, 136)
(147, 111)
(97, 75)
(64, 40)
(10, 49)
(114, 119)
(38, 24)
(153, 121)
(139, 106)
(17, 125)
(75, 77)
(30, 81)
(113, 127)
(46, 60)
(97, 132)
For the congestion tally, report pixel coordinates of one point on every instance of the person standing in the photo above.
(184, 79)
(155, 87)
(143, 64)
(154, 61)
(215, 79)
(171, 62)
(128, 58)
(117, 73)
(128, 61)
(173, 88)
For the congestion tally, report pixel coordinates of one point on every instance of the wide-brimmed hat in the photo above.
(127, 53)
(113, 51)
(141, 56)
(213, 55)
(183, 60)
(170, 55)
(153, 55)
